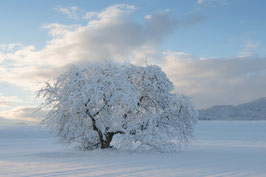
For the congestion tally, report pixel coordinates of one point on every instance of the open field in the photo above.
(221, 148)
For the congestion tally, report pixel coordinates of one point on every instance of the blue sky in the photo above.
(213, 50)
(227, 24)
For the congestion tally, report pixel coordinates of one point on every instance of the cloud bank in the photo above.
(114, 35)
(217, 81)
(7, 101)
(24, 113)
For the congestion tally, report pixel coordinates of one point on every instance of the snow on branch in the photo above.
(89, 107)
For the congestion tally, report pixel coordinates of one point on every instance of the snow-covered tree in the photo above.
(89, 106)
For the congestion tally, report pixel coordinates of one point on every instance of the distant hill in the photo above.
(255, 110)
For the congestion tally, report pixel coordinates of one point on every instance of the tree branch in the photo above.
(119, 132)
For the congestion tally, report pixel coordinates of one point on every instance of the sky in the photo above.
(214, 51)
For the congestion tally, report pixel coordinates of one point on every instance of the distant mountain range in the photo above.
(255, 110)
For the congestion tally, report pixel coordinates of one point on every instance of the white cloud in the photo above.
(117, 11)
(200, 1)
(113, 35)
(249, 49)
(8, 47)
(7, 101)
(251, 44)
(244, 54)
(24, 113)
(217, 81)
(212, 2)
(90, 15)
(71, 12)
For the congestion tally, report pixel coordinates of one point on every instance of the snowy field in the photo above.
(222, 148)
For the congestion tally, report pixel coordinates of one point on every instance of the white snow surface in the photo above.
(221, 148)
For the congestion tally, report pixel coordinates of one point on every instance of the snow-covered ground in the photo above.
(222, 148)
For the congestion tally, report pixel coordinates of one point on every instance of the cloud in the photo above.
(30, 77)
(216, 81)
(90, 15)
(212, 2)
(7, 101)
(200, 1)
(9, 47)
(112, 35)
(249, 49)
(251, 44)
(24, 113)
(71, 12)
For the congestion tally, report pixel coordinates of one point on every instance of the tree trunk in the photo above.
(105, 143)
(106, 138)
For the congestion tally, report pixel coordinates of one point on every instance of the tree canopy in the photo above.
(88, 107)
